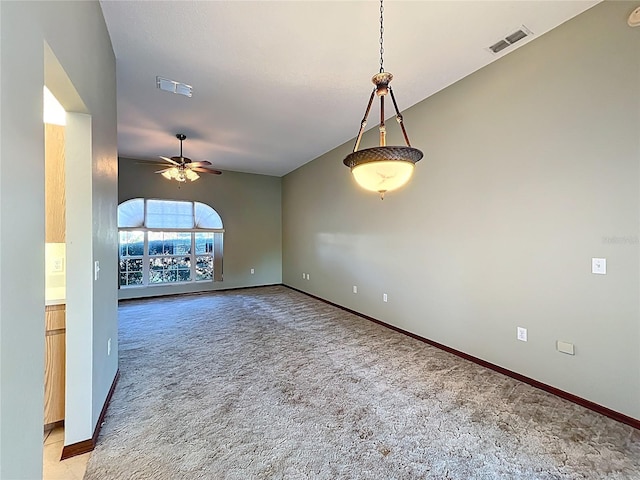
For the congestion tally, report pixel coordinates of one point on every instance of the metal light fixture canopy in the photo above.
(384, 168)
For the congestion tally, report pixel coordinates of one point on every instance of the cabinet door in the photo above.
(54, 317)
(54, 376)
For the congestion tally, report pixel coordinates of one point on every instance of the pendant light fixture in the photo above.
(384, 168)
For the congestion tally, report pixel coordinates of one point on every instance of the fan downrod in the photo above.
(181, 137)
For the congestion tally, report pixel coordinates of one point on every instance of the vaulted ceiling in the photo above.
(278, 83)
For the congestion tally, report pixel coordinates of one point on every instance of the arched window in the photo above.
(164, 242)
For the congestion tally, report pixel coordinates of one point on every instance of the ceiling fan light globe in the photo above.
(191, 175)
(167, 174)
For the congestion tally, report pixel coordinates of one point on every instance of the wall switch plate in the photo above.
(565, 347)
(304, 275)
(599, 266)
(355, 289)
(522, 334)
(58, 265)
(384, 297)
(96, 270)
(253, 271)
(108, 347)
(307, 276)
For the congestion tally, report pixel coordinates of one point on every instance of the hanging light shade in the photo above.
(384, 168)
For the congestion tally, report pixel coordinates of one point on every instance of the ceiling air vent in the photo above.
(501, 45)
(174, 87)
(510, 39)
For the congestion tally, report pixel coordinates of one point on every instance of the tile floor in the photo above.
(70, 469)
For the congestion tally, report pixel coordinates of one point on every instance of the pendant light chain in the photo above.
(381, 39)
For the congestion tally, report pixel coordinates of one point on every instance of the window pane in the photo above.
(134, 265)
(131, 278)
(169, 276)
(204, 268)
(206, 217)
(131, 213)
(131, 243)
(156, 269)
(184, 263)
(135, 247)
(135, 278)
(156, 243)
(204, 243)
(169, 269)
(169, 214)
(178, 243)
(169, 243)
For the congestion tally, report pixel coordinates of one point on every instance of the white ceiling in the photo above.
(278, 83)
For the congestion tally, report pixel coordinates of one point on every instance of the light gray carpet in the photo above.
(268, 383)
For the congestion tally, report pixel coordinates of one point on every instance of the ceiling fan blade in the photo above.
(157, 164)
(164, 170)
(206, 170)
(202, 163)
(169, 160)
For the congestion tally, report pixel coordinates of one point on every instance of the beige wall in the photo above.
(250, 207)
(530, 170)
(65, 45)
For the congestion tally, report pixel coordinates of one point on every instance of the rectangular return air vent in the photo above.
(174, 87)
(510, 39)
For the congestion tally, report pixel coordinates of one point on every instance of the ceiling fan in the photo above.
(183, 169)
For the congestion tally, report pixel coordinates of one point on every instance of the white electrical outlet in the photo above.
(355, 289)
(109, 347)
(599, 266)
(253, 271)
(384, 297)
(522, 334)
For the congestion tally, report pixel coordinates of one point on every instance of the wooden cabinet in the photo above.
(54, 369)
